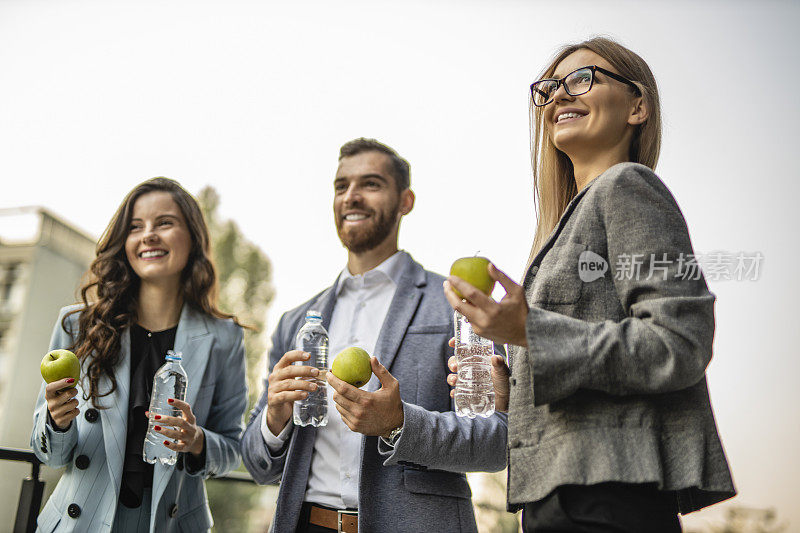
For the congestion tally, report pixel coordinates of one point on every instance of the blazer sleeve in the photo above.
(664, 343)
(444, 441)
(265, 466)
(223, 427)
(53, 448)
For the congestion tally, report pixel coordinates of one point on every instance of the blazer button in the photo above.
(82, 462)
(179, 462)
(513, 381)
(73, 510)
(91, 415)
(173, 510)
(514, 443)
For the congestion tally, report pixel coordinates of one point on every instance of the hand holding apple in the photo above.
(61, 370)
(503, 322)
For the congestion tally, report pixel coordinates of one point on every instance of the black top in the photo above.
(148, 349)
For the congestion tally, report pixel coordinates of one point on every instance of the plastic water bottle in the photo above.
(312, 338)
(169, 382)
(474, 394)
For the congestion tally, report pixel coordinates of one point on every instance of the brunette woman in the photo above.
(152, 289)
(610, 426)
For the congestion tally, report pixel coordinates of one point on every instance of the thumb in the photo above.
(379, 370)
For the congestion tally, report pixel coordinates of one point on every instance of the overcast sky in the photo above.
(255, 98)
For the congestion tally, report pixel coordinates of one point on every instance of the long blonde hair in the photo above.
(553, 175)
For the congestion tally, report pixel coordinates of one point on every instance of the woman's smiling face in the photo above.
(599, 118)
(159, 241)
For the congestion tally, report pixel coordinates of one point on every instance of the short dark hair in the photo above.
(400, 168)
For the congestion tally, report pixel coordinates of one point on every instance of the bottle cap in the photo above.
(173, 356)
(313, 314)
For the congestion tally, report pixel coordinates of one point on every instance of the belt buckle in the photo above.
(339, 514)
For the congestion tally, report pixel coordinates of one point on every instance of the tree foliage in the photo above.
(245, 282)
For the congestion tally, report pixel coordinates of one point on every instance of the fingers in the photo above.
(295, 371)
(452, 363)
(51, 390)
(292, 385)
(185, 408)
(499, 365)
(343, 388)
(468, 291)
(289, 358)
(452, 342)
(465, 307)
(385, 377)
(452, 379)
(174, 421)
(501, 277)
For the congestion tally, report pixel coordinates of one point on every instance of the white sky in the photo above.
(255, 98)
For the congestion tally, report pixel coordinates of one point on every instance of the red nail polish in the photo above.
(71, 380)
(166, 443)
(171, 400)
(157, 428)
(157, 417)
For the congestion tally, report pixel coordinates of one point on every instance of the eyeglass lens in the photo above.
(576, 83)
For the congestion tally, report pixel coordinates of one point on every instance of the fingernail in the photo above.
(157, 417)
(166, 443)
(314, 372)
(171, 400)
(71, 380)
(157, 428)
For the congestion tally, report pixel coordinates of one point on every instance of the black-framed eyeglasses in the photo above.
(576, 83)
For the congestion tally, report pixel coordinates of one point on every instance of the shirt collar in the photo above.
(391, 269)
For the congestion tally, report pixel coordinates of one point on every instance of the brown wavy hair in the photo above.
(110, 295)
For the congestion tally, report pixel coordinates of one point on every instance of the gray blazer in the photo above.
(418, 485)
(213, 357)
(613, 385)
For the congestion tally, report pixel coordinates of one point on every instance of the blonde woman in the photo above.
(610, 425)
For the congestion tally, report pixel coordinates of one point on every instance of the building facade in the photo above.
(42, 261)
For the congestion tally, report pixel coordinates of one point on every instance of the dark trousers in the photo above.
(603, 508)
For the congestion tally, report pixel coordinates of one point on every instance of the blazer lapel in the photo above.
(194, 341)
(534, 266)
(401, 311)
(114, 416)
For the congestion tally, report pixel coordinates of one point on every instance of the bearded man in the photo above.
(392, 456)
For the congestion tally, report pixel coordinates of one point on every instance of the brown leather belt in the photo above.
(340, 521)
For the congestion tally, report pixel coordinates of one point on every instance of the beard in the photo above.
(364, 239)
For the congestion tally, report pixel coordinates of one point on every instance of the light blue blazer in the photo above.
(213, 357)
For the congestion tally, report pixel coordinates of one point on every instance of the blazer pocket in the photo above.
(435, 328)
(436, 483)
(557, 281)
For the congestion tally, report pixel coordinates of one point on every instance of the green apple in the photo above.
(353, 366)
(475, 271)
(60, 364)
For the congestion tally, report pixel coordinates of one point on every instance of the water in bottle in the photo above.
(474, 394)
(169, 382)
(313, 339)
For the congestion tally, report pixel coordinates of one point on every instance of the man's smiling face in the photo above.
(366, 202)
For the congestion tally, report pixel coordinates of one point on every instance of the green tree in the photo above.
(245, 290)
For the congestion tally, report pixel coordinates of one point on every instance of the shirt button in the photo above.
(82, 462)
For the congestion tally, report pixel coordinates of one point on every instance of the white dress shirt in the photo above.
(361, 306)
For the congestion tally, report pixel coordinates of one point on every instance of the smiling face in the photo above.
(158, 242)
(367, 205)
(603, 119)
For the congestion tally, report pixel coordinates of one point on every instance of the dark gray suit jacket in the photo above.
(418, 485)
(613, 386)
